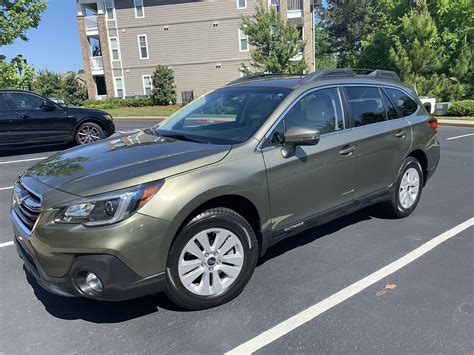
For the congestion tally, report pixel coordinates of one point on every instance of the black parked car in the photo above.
(27, 118)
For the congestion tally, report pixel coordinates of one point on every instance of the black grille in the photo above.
(27, 205)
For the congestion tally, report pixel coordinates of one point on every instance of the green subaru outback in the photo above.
(188, 206)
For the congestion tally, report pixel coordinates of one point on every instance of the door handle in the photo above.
(347, 151)
(401, 133)
(24, 116)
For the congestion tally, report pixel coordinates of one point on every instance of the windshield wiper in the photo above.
(182, 137)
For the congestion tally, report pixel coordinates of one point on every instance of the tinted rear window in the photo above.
(389, 108)
(405, 104)
(366, 105)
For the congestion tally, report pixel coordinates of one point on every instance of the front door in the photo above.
(382, 142)
(38, 124)
(317, 178)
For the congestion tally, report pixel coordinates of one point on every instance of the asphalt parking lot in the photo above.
(424, 306)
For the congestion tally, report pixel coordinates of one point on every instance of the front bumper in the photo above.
(120, 282)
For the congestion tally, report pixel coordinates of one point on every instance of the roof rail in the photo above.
(328, 74)
(385, 75)
(350, 73)
(260, 76)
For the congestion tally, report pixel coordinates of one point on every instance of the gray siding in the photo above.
(193, 46)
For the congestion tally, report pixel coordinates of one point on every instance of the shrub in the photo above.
(73, 92)
(117, 103)
(462, 108)
(163, 92)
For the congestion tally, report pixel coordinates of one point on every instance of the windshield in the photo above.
(225, 116)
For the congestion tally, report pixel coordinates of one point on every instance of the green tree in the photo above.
(47, 83)
(417, 52)
(323, 54)
(349, 23)
(18, 16)
(164, 92)
(276, 42)
(16, 73)
(72, 91)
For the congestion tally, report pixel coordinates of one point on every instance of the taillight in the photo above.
(433, 122)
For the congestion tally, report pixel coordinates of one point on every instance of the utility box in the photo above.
(442, 108)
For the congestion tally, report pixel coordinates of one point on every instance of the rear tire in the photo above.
(407, 192)
(211, 259)
(89, 132)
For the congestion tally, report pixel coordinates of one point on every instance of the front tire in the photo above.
(89, 132)
(407, 192)
(211, 260)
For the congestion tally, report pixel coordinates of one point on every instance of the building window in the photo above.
(147, 85)
(241, 4)
(243, 41)
(110, 9)
(114, 48)
(139, 9)
(143, 46)
(119, 87)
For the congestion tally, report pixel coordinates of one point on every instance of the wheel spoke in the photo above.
(203, 239)
(234, 259)
(229, 244)
(216, 282)
(205, 284)
(231, 271)
(187, 266)
(193, 249)
(192, 276)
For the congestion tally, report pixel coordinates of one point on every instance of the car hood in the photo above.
(122, 161)
(80, 110)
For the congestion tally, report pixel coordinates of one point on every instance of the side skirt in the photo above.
(270, 238)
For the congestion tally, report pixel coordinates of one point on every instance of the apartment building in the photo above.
(123, 41)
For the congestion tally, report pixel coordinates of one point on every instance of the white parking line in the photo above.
(464, 135)
(7, 244)
(21, 161)
(6, 188)
(312, 312)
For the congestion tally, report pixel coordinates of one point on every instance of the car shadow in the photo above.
(11, 152)
(116, 312)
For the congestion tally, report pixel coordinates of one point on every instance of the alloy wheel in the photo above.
(211, 261)
(409, 188)
(88, 134)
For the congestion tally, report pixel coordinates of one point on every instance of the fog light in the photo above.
(93, 281)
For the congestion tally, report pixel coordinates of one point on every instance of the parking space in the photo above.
(428, 306)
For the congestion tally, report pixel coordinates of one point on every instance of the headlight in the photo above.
(107, 208)
(108, 117)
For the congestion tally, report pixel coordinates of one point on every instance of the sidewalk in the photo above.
(456, 123)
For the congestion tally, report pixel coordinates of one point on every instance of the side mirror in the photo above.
(47, 106)
(427, 106)
(296, 136)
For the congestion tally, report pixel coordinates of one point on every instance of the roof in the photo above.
(339, 75)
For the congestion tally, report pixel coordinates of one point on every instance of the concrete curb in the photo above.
(144, 118)
(456, 123)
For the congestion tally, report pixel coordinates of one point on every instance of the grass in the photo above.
(148, 111)
(465, 118)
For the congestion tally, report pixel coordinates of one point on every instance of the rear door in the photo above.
(8, 122)
(37, 124)
(382, 138)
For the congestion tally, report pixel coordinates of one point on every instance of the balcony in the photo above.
(91, 25)
(295, 8)
(97, 65)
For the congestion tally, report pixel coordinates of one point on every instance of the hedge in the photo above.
(462, 108)
(117, 103)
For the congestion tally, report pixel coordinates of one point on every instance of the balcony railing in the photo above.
(295, 5)
(91, 23)
(97, 63)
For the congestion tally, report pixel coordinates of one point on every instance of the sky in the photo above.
(54, 45)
